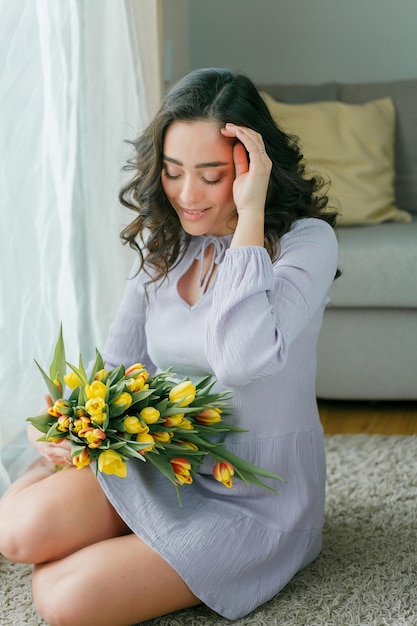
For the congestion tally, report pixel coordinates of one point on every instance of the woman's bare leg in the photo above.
(117, 582)
(90, 569)
(45, 516)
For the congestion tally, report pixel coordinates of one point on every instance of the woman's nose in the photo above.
(190, 193)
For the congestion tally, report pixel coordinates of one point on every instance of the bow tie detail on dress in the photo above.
(220, 247)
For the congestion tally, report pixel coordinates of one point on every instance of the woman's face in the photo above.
(197, 176)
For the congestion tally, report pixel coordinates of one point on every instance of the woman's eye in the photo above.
(170, 176)
(212, 182)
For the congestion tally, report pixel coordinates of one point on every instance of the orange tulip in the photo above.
(134, 369)
(94, 436)
(182, 469)
(209, 417)
(82, 460)
(81, 423)
(223, 472)
(61, 407)
(64, 423)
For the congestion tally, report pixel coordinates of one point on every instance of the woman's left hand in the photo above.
(252, 177)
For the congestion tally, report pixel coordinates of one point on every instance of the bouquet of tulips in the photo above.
(112, 416)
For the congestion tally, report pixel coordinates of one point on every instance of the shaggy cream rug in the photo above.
(367, 572)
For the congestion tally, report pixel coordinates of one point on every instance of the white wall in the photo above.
(299, 41)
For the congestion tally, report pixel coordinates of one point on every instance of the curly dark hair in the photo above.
(217, 95)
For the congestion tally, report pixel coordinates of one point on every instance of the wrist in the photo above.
(249, 230)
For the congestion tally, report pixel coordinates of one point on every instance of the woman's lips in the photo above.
(192, 214)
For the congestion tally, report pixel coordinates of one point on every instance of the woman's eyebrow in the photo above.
(198, 165)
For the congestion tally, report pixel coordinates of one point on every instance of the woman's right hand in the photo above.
(56, 453)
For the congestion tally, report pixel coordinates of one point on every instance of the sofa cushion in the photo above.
(353, 145)
(404, 96)
(378, 265)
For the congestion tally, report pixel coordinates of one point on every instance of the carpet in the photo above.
(366, 574)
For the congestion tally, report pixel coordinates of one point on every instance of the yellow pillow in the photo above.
(353, 146)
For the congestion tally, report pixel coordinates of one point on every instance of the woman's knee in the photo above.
(51, 602)
(18, 534)
(20, 517)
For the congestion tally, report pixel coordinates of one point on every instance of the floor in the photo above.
(382, 418)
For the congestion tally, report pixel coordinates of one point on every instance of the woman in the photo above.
(236, 255)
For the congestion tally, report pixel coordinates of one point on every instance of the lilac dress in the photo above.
(255, 329)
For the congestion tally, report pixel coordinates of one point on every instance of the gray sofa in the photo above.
(368, 344)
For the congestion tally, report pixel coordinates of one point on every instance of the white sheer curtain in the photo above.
(71, 92)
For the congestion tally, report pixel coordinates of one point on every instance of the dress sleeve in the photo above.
(126, 340)
(260, 308)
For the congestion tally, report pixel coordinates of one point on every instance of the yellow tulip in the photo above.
(101, 375)
(132, 425)
(188, 444)
(163, 436)
(184, 393)
(145, 438)
(97, 389)
(179, 421)
(173, 420)
(223, 472)
(124, 398)
(99, 418)
(136, 384)
(150, 415)
(95, 407)
(72, 380)
(110, 462)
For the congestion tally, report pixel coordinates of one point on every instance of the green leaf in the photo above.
(116, 374)
(73, 398)
(43, 425)
(115, 410)
(42, 419)
(203, 381)
(139, 396)
(82, 398)
(131, 452)
(115, 390)
(54, 432)
(80, 371)
(54, 391)
(163, 465)
(98, 365)
(57, 368)
(221, 454)
(76, 449)
(82, 368)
